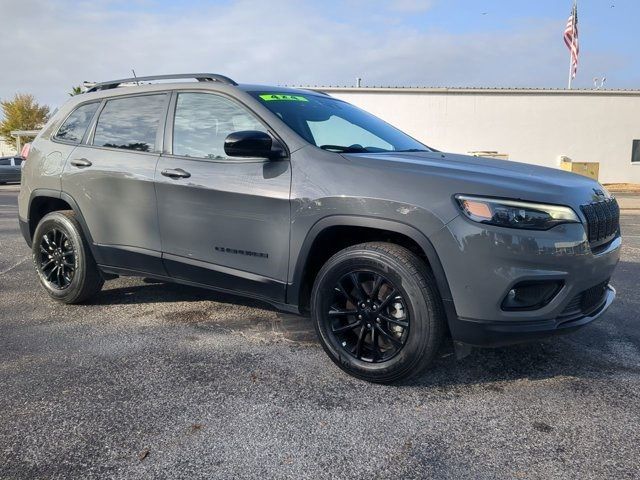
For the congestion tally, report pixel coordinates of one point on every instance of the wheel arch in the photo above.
(44, 201)
(312, 254)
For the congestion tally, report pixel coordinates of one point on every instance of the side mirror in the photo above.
(252, 143)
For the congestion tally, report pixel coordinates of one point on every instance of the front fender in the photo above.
(293, 290)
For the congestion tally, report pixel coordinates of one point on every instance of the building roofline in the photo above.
(475, 91)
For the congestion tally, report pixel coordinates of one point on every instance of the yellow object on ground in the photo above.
(588, 169)
(490, 154)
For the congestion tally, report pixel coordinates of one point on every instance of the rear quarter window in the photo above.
(130, 123)
(76, 124)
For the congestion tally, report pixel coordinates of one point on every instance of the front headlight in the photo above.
(514, 213)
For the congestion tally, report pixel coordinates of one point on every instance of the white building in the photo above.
(529, 125)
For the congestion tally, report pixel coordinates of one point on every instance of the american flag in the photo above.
(571, 39)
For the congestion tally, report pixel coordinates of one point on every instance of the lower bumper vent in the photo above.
(586, 301)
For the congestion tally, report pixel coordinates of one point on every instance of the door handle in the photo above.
(175, 173)
(80, 162)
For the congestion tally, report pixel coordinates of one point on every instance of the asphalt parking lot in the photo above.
(164, 381)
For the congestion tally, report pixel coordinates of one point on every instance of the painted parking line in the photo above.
(20, 262)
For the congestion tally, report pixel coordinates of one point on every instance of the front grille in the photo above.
(603, 219)
(586, 301)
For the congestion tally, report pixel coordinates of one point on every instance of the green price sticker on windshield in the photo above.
(271, 97)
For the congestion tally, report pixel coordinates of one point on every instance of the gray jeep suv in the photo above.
(311, 204)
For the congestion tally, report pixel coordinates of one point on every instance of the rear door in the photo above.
(111, 178)
(225, 221)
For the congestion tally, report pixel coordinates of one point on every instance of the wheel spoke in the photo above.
(59, 277)
(375, 351)
(393, 320)
(356, 282)
(397, 343)
(386, 301)
(361, 335)
(340, 313)
(375, 289)
(346, 328)
(47, 264)
(342, 290)
(66, 254)
(51, 272)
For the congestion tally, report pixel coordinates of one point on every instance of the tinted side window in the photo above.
(17, 161)
(5, 161)
(202, 122)
(130, 123)
(635, 151)
(76, 124)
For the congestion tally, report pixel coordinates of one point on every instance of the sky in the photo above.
(48, 46)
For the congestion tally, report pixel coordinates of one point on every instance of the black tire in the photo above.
(74, 276)
(417, 297)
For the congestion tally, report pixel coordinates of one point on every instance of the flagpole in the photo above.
(573, 12)
(570, 70)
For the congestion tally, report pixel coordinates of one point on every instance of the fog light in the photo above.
(531, 295)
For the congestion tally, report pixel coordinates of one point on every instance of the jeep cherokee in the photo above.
(311, 204)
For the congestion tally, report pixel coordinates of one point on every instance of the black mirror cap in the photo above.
(254, 144)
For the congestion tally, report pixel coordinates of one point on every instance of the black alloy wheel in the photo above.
(369, 317)
(57, 259)
(377, 312)
(63, 259)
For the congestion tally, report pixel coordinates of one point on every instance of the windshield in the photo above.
(335, 125)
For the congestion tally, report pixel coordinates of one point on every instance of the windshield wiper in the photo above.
(413, 150)
(344, 149)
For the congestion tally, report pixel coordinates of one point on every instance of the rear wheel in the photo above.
(377, 312)
(65, 266)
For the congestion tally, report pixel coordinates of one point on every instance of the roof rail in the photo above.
(201, 77)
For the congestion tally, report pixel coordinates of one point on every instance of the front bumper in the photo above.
(482, 263)
(495, 334)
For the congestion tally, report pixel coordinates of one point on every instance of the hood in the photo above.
(452, 173)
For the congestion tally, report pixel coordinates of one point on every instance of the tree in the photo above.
(21, 113)
(75, 91)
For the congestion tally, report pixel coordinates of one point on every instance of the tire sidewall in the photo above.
(404, 281)
(61, 222)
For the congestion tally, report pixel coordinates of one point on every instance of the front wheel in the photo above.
(62, 259)
(377, 312)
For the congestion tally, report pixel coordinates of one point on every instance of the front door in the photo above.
(224, 221)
